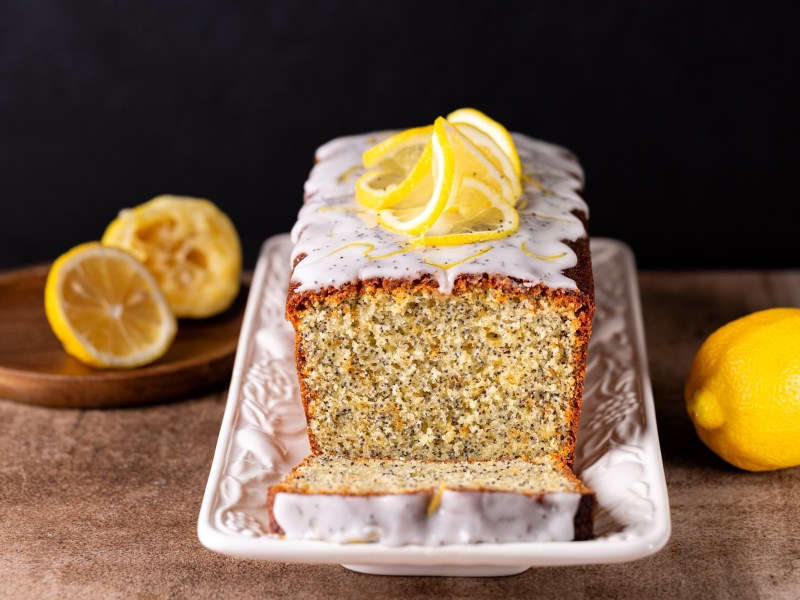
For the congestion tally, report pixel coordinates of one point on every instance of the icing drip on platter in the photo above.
(341, 241)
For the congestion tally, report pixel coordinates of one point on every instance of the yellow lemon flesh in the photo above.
(502, 169)
(189, 245)
(481, 206)
(743, 390)
(480, 213)
(107, 309)
(400, 165)
(416, 212)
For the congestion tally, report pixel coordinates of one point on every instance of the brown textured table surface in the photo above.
(104, 503)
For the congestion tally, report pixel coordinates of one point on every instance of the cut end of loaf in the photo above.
(493, 370)
(397, 502)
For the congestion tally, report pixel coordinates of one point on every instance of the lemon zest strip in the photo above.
(534, 255)
(446, 266)
(364, 540)
(369, 248)
(525, 178)
(532, 180)
(352, 209)
(436, 500)
(348, 172)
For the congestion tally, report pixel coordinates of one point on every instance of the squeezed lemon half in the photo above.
(455, 182)
(189, 245)
(106, 308)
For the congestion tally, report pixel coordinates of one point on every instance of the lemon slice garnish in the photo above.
(190, 246)
(106, 308)
(455, 182)
(481, 213)
(400, 151)
(478, 204)
(416, 212)
(499, 134)
(399, 165)
(503, 173)
(475, 162)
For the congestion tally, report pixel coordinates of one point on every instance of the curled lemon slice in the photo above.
(473, 199)
(189, 245)
(455, 182)
(106, 308)
(402, 165)
(499, 134)
(475, 162)
(419, 210)
(400, 151)
(481, 213)
(503, 172)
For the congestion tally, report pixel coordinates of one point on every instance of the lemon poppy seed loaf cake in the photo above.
(471, 351)
(397, 502)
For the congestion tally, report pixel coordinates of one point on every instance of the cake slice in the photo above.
(398, 502)
(468, 352)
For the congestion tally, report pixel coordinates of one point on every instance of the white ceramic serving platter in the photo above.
(263, 436)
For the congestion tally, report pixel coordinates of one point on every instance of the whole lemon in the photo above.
(743, 390)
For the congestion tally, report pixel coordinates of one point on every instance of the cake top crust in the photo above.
(338, 241)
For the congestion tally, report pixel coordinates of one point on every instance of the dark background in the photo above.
(685, 114)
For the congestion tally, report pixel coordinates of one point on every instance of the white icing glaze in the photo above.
(342, 241)
(462, 517)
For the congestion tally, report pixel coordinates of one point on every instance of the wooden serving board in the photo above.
(34, 368)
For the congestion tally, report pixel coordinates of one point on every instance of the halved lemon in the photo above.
(499, 133)
(398, 166)
(106, 308)
(190, 246)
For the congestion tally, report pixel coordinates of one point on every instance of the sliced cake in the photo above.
(397, 502)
